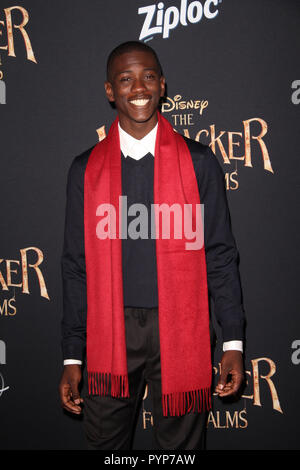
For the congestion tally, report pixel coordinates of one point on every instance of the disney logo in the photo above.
(177, 103)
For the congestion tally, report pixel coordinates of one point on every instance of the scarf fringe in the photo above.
(174, 404)
(103, 383)
(180, 403)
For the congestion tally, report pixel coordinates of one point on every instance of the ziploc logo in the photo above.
(159, 20)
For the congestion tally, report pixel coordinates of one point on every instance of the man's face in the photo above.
(135, 86)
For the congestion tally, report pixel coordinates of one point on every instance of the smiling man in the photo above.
(135, 84)
(138, 307)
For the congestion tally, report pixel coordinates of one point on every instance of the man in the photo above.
(139, 304)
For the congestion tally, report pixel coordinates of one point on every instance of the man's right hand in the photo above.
(68, 388)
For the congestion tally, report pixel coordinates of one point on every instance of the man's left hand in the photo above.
(232, 374)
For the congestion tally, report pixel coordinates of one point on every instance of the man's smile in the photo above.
(140, 101)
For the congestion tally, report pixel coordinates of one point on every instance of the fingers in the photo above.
(232, 387)
(68, 401)
(75, 393)
(222, 384)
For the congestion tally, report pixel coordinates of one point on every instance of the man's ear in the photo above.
(109, 91)
(162, 85)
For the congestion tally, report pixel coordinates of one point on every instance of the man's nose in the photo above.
(138, 84)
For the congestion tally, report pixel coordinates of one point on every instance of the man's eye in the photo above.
(150, 77)
(125, 79)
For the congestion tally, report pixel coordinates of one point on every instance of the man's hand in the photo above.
(68, 388)
(232, 366)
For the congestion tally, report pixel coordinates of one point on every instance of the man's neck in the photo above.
(138, 130)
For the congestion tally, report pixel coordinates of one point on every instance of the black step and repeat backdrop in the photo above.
(232, 69)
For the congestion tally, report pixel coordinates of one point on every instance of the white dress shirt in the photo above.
(137, 149)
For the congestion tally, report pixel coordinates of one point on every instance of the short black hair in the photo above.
(130, 46)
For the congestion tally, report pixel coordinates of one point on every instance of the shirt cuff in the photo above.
(233, 345)
(68, 362)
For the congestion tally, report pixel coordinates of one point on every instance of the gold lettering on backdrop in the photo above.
(242, 418)
(250, 397)
(2, 281)
(198, 135)
(214, 140)
(1, 34)
(43, 289)
(217, 142)
(230, 178)
(232, 421)
(145, 392)
(257, 377)
(231, 144)
(147, 415)
(6, 281)
(9, 271)
(101, 133)
(227, 419)
(183, 119)
(265, 153)
(10, 26)
(6, 305)
(147, 418)
(274, 395)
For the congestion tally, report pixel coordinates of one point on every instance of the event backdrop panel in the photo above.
(233, 82)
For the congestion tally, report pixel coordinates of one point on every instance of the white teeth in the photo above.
(140, 102)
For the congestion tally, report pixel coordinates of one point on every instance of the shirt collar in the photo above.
(137, 148)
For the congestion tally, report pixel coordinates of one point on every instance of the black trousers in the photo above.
(109, 422)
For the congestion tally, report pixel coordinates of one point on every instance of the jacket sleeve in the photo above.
(73, 264)
(222, 257)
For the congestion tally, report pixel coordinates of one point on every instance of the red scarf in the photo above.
(181, 274)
